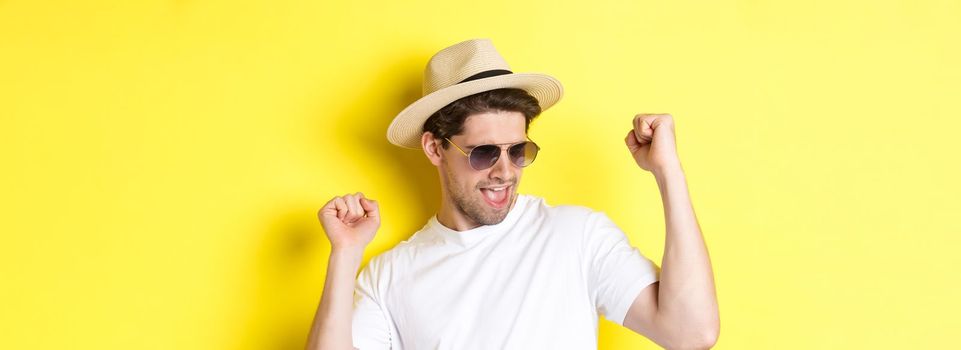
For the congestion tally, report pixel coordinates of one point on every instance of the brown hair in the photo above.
(449, 121)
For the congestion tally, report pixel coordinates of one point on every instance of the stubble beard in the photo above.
(468, 202)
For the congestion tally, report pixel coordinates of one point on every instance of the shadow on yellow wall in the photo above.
(293, 241)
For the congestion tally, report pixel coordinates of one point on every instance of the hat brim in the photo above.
(407, 127)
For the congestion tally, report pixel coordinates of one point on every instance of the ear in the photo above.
(431, 149)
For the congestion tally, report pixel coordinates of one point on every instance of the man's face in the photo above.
(483, 197)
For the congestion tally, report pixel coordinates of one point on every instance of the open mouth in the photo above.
(496, 197)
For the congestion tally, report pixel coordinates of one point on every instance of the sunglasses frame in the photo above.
(502, 150)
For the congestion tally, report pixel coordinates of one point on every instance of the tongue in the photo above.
(496, 196)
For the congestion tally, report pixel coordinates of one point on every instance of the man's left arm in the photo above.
(680, 311)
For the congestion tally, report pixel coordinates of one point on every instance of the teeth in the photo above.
(495, 194)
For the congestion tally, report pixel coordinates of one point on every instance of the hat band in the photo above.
(486, 74)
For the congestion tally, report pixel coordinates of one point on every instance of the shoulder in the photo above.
(565, 210)
(403, 253)
(569, 214)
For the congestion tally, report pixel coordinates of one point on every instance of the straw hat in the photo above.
(460, 70)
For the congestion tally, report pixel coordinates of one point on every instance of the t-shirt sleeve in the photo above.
(617, 272)
(370, 328)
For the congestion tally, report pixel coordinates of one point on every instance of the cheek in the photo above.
(463, 180)
(471, 184)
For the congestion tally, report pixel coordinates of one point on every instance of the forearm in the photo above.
(686, 296)
(332, 322)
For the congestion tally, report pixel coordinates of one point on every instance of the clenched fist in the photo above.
(651, 142)
(350, 221)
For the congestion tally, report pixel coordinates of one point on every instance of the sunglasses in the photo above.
(482, 157)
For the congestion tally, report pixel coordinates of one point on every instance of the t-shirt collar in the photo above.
(474, 235)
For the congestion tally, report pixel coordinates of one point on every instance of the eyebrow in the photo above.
(487, 143)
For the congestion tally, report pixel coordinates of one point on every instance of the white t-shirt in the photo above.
(537, 280)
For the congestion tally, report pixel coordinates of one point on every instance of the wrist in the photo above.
(668, 171)
(352, 254)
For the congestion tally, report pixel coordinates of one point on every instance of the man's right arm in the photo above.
(350, 223)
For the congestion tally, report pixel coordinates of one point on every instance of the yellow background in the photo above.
(163, 162)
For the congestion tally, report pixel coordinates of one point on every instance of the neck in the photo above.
(451, 217)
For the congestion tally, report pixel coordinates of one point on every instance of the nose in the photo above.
(502, 168)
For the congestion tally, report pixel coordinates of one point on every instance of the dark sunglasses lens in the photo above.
(484, 156)
(523, 154)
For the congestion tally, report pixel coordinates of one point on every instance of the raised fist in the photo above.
(651, 142)
(350, 221)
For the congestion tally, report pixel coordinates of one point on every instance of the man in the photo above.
(494, 269)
